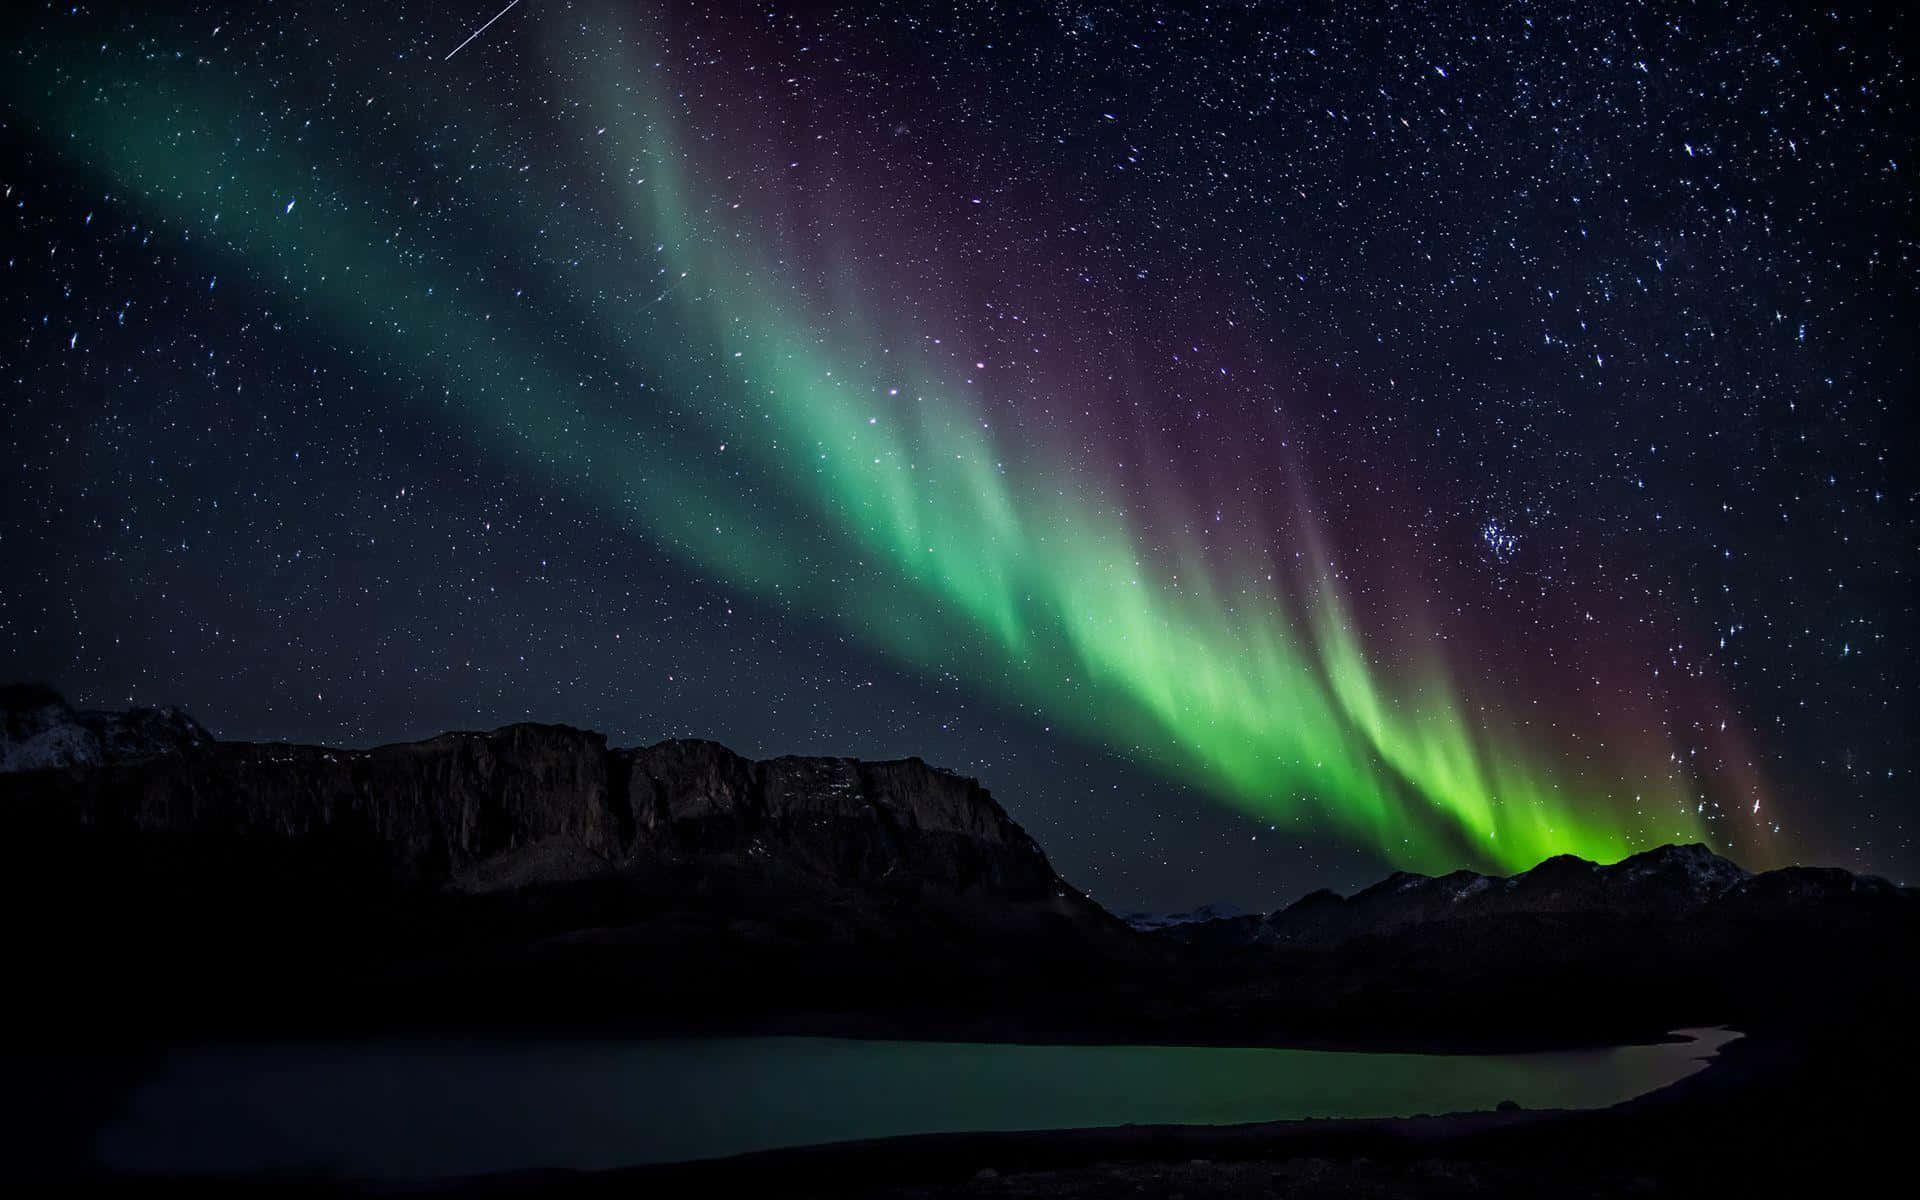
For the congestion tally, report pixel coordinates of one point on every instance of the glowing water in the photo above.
(423, 1109)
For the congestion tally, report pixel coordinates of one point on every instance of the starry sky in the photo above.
(1267, 444)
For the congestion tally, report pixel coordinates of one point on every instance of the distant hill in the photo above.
(1146, 922)
(1665, 883)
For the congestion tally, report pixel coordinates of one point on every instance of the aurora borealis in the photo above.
(704, 280)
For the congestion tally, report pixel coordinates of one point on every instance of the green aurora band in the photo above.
(804, 452)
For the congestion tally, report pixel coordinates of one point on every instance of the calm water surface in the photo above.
(399, 1110)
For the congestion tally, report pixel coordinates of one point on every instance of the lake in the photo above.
(419, 1109)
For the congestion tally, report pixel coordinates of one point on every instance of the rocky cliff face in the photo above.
(839, 818)
(529, 804)
(531, 874)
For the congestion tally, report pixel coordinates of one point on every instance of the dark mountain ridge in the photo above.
(527, 872)
(532, 804)
(1670, 882)
(535, 875)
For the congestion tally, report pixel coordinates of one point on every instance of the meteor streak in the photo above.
(476, 33)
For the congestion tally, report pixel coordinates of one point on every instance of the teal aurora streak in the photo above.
(801, 448)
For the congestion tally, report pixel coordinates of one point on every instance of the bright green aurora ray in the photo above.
(859, 481)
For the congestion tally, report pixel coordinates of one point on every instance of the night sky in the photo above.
(1267, 444)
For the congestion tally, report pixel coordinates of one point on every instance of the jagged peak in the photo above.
(1672, 852)
(1556, 865)
(1399, 881)
(1318, 898)
(39, 730)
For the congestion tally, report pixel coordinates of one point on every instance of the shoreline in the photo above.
(940, 1155)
